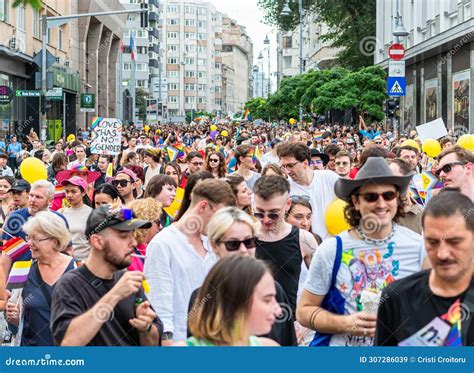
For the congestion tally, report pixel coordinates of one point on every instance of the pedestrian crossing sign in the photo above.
(396, 86)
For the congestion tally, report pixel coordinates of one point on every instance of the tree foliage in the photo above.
(350, 23)
(36, 4)
(140, 97)
(319, 92)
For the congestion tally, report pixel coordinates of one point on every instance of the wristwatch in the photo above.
(167, 336)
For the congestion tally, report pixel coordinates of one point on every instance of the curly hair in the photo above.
(353, 216)
(146, 209)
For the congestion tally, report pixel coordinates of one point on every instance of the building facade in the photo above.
(79, 64)
(439, 60)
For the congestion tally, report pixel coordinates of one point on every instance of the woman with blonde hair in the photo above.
(231, 233)
(47, 237)
(150, 210)
(236, 303)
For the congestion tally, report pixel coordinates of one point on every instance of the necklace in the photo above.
(371, 241)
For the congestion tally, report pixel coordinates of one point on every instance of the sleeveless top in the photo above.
(284, 259)
(199, 342)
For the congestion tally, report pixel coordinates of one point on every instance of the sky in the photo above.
(248, 14)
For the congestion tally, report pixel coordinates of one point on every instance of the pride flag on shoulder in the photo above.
(15, 247)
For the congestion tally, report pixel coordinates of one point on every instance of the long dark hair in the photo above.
(108, 189)
(230, 285)
(221, 171)
(191, 183)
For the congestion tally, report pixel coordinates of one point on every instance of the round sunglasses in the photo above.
(373, 197)
(234, 245)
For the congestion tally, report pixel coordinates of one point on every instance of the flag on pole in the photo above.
(59, 192)
(247, 112)
(19, 274)
(172, 153)
(110, 170)
(133, 49)
(15, 247)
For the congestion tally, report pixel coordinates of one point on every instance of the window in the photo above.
(173, 8)
(142, 50)
(217, 89)
(202, 100)
(189, 74)
(127, 66)
(190, 9)
(287, 62)
(173, 74)
(141, 67)
(173, 99)
(172, 35)
(60, 38)
(142, 83)
(36, 24)
(202, 48)
(202, 11)
(172, 61)
(218, 101)
(201, 36)
(4, 10)
(172, 47)
(173, 21)
(173, 86)
(190, 48)
(201, 87)
(189, 61)
(190, 22)
(287, 42)
(202, 24)
(142, 34)
(189, 87)
(20, 14)
(201, 74)
(126, 34)
(201, 62)
(190, 99)
(217, 65)
(217, 53)
(50, 36)
(217, 78)
(190, 35)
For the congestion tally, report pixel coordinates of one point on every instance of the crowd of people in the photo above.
(218, 234)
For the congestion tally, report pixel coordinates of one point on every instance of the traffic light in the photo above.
(144, 15)
(392, 107)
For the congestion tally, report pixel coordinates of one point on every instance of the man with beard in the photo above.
(100, 303)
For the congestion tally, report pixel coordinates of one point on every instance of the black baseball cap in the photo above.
(122, 219)
(20, 186)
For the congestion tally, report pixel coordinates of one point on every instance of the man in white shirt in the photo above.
(4, 169)
(271, 156)
(80, 151)
(318, 186)
(180, 256)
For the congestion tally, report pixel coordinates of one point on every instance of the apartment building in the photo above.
(439, 59)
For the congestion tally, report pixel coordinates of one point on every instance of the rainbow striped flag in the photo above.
(430, 181)
(19, 274)
(453, 316)
(15, 247)
(172, 153)
(59, 191)
(317, 136)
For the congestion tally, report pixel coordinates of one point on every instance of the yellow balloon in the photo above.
(224, 133)
(431, 147)
(71, 138)
(146, 128)
(410, 142)
(466, 141)
(292, 120)
(334, 218)
(213, 127)
(32, 169)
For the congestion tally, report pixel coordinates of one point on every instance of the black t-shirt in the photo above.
(74, 295)
(407, 305)
(283, 330)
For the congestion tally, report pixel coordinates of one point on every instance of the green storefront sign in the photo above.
(88, 102)
(71, 82)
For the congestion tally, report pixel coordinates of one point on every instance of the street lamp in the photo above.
(267, 43)
(286, 12)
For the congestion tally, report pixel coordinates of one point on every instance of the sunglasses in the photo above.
(195, 164)
(270, 215)
(213, 160)
(374, 197)
(447, 168)
(299, 198)
(123, 183)
(234, 245)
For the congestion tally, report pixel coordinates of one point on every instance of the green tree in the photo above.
(140, 97)
(197, 115)
(258, 107)
(37, 4)
(351, 25)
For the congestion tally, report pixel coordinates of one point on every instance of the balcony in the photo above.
(153, 63)
(153, 17)
(153, 47)
(154, 2)
(154, 32)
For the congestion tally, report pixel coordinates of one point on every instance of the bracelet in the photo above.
(313, 317)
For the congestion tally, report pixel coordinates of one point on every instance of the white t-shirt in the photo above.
(77, 218)
(363, 267)
(149, 173)
(174, 270)
(321, 194)
(269, 158)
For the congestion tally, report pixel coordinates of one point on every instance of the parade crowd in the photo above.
(236, 234)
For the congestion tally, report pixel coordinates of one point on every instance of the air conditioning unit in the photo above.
(13, 43)
(149, 29)
(67, 63)
(58, 59)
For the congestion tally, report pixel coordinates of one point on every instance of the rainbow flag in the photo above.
(247, 112)
(258, 153)
(19, 274)
(172, 153)
(318, 136)
(59, 191)
(15, 247)
(454, 316)
(430, 181)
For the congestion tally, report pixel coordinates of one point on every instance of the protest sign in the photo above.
(106, 135)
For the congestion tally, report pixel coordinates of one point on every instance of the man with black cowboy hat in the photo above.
(348, 272)
(319, 160)
(100, 303)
